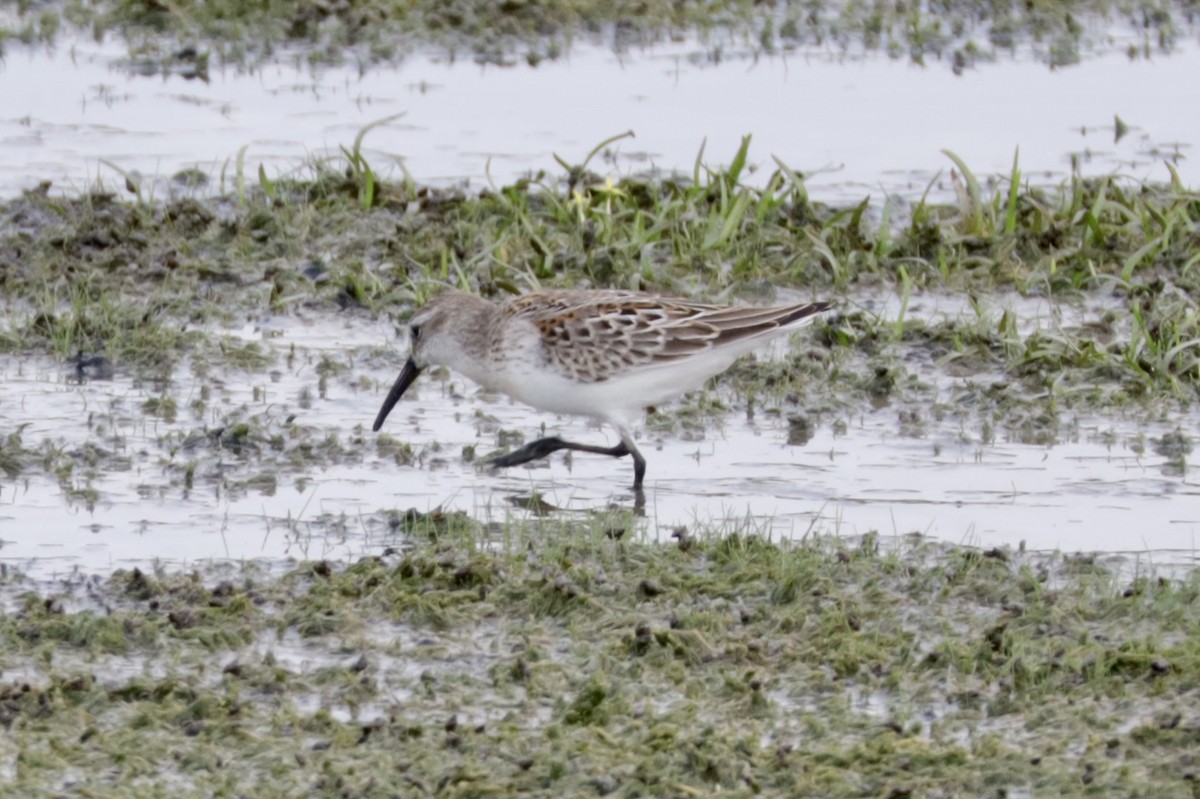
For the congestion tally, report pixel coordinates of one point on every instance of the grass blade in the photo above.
(974, 210)
(1014, 186)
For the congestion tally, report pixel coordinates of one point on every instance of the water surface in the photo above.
(1100, 486)
(859, 124)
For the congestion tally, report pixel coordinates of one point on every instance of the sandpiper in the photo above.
(604, 354)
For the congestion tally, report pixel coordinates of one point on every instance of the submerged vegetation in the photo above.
(555, 659)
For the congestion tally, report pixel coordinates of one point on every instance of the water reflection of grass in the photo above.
(551, 657)
(178, 37)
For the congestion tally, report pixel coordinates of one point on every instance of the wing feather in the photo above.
(591, 336)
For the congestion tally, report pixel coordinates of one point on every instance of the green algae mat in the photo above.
(562, 660)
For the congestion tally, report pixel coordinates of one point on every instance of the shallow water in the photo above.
(1100, 487)
(858, 125)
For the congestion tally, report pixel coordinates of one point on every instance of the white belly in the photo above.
(620, 399)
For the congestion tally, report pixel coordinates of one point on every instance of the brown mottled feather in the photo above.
(590, 336)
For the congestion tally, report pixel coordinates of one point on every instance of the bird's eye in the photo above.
(415, 332)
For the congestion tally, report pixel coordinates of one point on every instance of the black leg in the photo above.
(545, 446)
(639, 463)
(639, 467)
(530, 452)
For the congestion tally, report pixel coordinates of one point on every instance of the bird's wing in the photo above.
(591, 337)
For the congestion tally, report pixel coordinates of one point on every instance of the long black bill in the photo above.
(407, 375)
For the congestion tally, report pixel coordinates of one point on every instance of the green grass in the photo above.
(148, 282)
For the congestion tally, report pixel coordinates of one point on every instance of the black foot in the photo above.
(639, 501)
